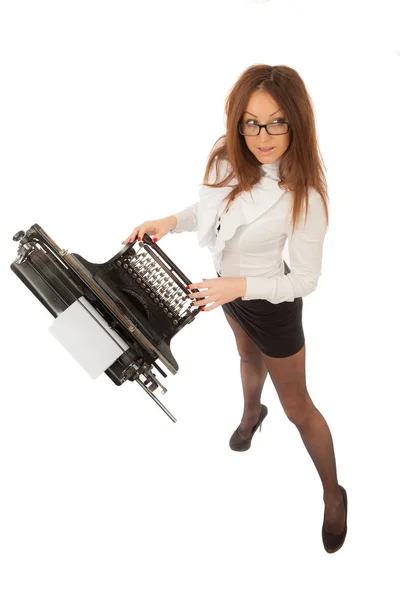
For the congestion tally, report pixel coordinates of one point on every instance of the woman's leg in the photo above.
(288, 377)
(253, 371)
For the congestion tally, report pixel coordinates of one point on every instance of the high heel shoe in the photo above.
(237, 442)
(334, 541)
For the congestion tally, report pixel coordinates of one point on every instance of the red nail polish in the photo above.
(139, 239)
(202, 309)
(154, 239)
(188, 287)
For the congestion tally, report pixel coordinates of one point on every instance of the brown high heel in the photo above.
(237, 442)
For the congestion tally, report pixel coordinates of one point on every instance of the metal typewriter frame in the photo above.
(58, 279)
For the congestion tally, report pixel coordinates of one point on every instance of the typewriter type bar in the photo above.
(137, 301)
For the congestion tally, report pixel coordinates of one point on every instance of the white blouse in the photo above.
(248, 240)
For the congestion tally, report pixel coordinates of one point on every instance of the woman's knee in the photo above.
(297, 407)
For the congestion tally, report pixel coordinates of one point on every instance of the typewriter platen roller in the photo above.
(138, 298)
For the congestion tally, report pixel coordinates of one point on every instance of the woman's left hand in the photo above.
(218, 291)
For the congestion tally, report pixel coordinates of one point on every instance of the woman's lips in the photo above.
(266, 151)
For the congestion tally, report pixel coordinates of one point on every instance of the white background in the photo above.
(108, 113)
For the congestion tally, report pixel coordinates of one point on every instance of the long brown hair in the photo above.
(300, 166)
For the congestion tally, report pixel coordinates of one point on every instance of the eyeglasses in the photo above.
(278, 127)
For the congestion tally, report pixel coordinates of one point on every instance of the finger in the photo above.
(199, 304)
(212, 306)
(206, 308)
(203, 300)
(130, 237)
(196, 285)
(134, 234)
(199, 297)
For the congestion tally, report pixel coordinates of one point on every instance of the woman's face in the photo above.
(261, 109)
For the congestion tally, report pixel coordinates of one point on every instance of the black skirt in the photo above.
(277, 329)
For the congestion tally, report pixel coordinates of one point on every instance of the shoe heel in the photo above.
(238, 443)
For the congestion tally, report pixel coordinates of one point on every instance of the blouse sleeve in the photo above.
(186, 219)
(305, 253)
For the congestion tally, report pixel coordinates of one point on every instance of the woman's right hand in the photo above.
(158, 229)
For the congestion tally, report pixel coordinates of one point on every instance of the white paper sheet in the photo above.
(87, 337)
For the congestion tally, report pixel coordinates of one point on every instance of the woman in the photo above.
(266, 177)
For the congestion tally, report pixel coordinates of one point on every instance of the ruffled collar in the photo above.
(245, 209)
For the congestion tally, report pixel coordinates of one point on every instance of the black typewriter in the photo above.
(128, 308)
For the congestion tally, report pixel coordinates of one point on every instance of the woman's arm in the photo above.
(186, 219)
(305, 253)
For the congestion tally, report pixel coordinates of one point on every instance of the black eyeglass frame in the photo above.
(266, 128)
